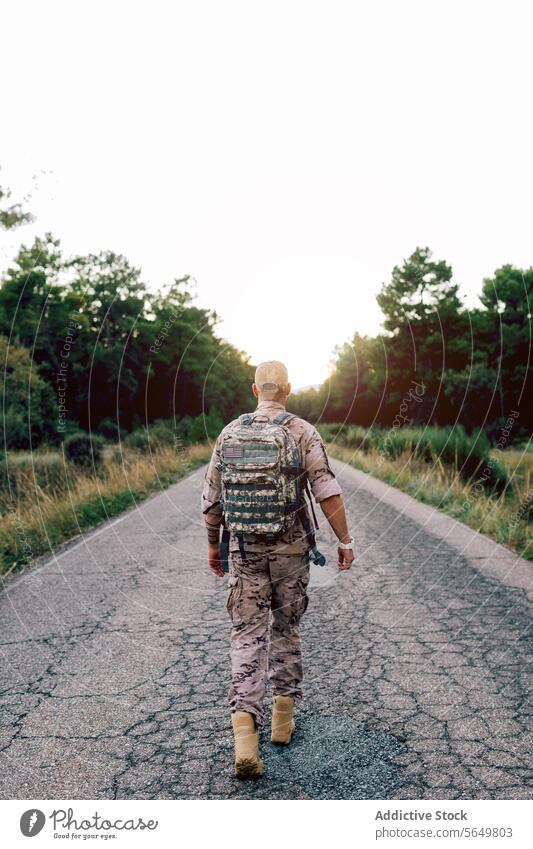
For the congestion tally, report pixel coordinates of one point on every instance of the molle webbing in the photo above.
(260, 466)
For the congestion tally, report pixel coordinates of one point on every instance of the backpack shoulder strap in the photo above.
(283, 418)
(246, 419)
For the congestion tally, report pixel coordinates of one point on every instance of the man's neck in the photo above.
(265, 402)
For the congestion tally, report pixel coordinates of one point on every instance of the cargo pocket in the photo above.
(302, 586)
(301, 600)
(234, 586)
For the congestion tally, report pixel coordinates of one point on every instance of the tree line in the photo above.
(436, 362)
(85, 345)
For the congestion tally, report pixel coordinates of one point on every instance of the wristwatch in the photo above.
(345, 545)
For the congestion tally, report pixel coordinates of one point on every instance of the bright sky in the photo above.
(287, 154)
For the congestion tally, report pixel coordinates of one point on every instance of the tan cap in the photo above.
(270, 378)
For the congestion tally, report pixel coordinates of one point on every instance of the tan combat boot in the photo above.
(248, 764)
(283, 724)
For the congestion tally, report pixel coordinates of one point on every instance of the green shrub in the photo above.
(183, 428)
(163, 432)
(84, 449)
(138, 439)
(451, 446)
(111, 430)
(15, 427)
(205, 427)
(358, 438)
(159, 433)
(351, 435)
(332, 432)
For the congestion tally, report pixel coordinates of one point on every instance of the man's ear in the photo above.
(289, 388)
(255, 390)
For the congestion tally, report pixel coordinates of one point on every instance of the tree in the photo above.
(11, 216)
(36, 306)
(192, 370)
(504, 330)
(110, 356)
(426, 333)
(28, 410)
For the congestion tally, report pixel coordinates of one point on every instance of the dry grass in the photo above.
(519, 465)
(503, 518)
(38, 515)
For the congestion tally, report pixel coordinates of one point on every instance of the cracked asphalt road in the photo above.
(418, 664)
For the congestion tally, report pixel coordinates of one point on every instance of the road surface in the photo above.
(115, 664)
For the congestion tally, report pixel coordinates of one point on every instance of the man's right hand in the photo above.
(346, 558)
(333, 509)
(213, 557)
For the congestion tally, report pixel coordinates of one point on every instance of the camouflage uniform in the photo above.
(268, 591)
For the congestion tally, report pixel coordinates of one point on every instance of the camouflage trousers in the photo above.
(267, 598)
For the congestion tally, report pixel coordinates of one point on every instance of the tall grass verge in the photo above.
(45, 500)
(505, 516)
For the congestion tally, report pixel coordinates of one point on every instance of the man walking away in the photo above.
(261, 467)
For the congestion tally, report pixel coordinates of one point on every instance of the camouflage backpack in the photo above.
(261, 476)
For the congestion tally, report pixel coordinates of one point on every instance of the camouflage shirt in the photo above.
(313, 459)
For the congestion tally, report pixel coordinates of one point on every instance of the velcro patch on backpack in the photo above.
(252, 453)
(232, 451)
